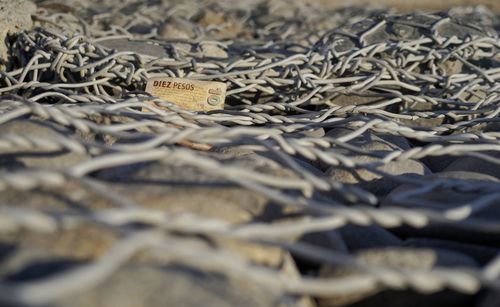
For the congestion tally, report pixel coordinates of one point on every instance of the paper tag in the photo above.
(189, 94)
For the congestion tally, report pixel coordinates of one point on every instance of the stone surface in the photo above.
(15, 16)
(374, 182)
(447, 199)
(213, 51)
(140, 47)
(36, 158)
(174, 285)
(480, 253)
(474, 164)
(349, 100)
(364, 237)
(177, 28)
(399, 258)
(438, 163)
(490, 298)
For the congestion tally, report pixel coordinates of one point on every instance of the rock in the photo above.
(438, 163)
(36, 158)
(492, 127)
(476, 15)
(399, 141)
(221, 26)
(176, 28)
(15, 16)
(350, 100)
(368, 180)
(81, 243)
(217, 200)
(462, 27)
(173, 285)
(446, 199)
(213, 51)
(420, 121)
(404, 259)
(364, 237)
(478, 165)
(481, 254)
(72, 197)
(329, 240)
(466, 175)
(137, 46)
(29, 263)
(314, 132)
(233, 151)
(451, 67)
(490, 298)
(181, 188)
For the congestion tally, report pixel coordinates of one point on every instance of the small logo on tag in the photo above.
(189, 94)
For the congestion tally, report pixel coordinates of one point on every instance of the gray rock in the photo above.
(492, 127)
(490, 298)
(86, 242)
(473, 164)
(368, 180)
(137, 46)
(173, 285)
(213, 51)
(36, 158)
(15, 16)
(28, 263)
(399, 258)
(221, 26)
(438, 163)
(352, 99)
(421, 121)
(480, 253)
(314, 133)
(466, 175)
(446, 199)
(451, 67)
(364, 237)
(181, 188)
(176, 28)
(329, 240)
(405, 27)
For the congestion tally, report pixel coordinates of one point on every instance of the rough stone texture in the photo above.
(438, 163)
(446, 199)
(213, 51)
(364, 237)
(179, 188)
(399, 258)
(80, 243)
(35, 158)
(173, 285)
(349, 100)
(474, 164)
(176, 28)
(15, 16)
(481, 254)
(369, 180)
(139, 47)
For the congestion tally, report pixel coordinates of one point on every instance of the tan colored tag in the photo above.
(189, 94)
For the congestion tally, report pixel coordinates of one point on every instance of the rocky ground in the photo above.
(356, 162)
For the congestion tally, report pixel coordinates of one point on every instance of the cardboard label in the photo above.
(189, 94)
